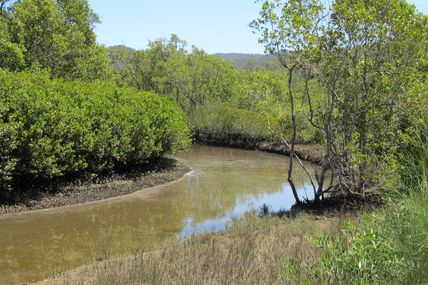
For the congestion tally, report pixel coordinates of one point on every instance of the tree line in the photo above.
(350, 77)
(210, 89)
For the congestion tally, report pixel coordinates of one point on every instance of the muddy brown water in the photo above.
(224, 184)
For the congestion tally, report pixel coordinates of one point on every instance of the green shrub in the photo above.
(50, 128)
(306, 133)
(224, 122)
(389, 246)
(413, 158)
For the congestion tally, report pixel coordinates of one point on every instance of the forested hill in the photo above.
(243, 59)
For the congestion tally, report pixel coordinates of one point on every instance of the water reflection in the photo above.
(283, 199)
(225, 184)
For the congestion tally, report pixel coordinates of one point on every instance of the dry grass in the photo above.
(251, 251)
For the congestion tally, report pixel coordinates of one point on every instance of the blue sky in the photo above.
(215, 25)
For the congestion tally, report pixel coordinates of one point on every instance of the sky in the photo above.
(214, 25)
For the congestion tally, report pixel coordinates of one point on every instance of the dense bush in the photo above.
(388, 247)
(225, 122)
(50, 128)
(413, 157)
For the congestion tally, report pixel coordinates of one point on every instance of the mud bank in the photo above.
(159, 172)
(308, 152)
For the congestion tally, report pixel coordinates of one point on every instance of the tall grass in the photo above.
(251, 251)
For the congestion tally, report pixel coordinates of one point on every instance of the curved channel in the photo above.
(224, 184)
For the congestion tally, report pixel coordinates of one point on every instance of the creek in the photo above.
(225, 184)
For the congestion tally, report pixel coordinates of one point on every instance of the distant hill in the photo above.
(119, 53)
(243, 60)
(124, 47)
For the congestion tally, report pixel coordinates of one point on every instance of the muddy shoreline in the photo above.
(309, 152)
(166, 170)
(160, 172)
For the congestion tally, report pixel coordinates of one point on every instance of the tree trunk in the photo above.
(293, 138)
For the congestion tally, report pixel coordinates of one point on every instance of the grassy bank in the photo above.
(251, 251)
(389, 246)
(386, 246)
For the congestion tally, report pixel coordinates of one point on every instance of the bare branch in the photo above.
(295, 155)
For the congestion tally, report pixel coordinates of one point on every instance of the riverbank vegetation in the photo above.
(219, 99)
(356, 93)
(350, 77)
(52, 128)
(387, 246)
(369, 58)
(384, 246)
